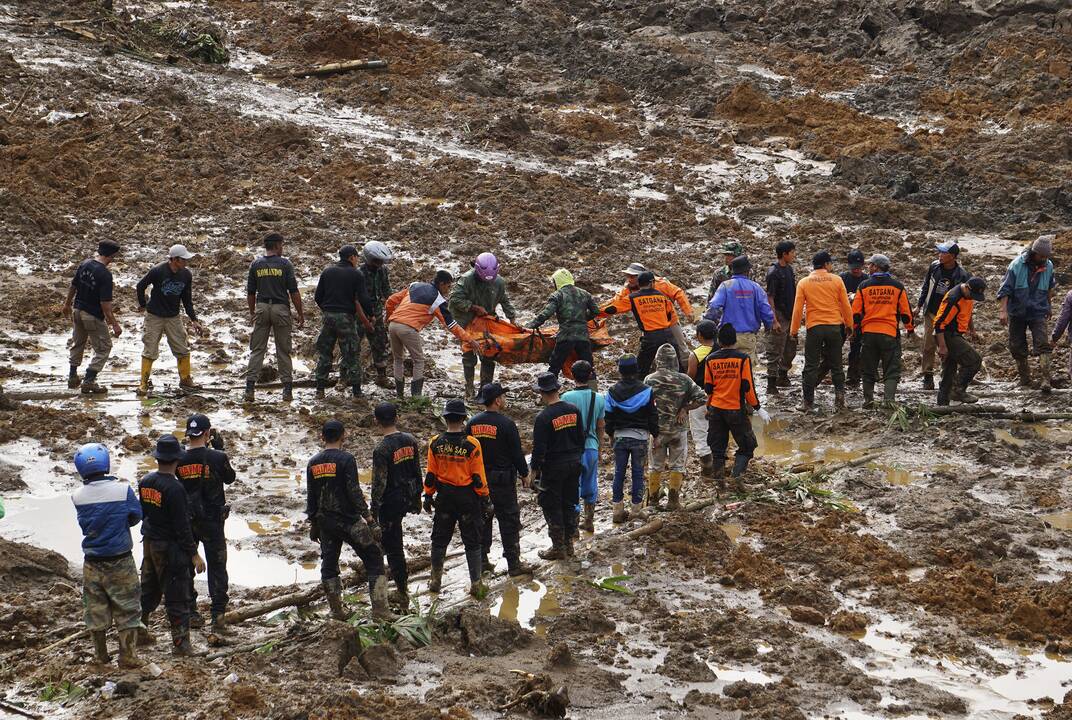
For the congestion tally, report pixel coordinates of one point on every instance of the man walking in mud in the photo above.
(1025, 295)
(557, 444)
(879, 307)
(677, 296)
(960, 361)
(172, 285)
(741, 302)
(943, 274)
(675, 396)
(376, 256)
(343, 302)
(271, 288)
(90, 296)
(476, 294)
(730, 250)
(572, 308)
(654, 315)
(781, 291)
(829, 319)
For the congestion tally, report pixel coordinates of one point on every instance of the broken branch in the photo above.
(331, 68)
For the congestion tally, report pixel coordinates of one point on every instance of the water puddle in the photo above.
(1060, 520)
(1004, 436)
(529, 605)
(733, 530)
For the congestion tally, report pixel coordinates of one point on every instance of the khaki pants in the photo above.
(748, 343)
(781, 349)
(405, 339)
(93, 330)
(270, 319)
(930, 344)
(698, 425)
(669, 450)
(170, 327)
(680, 345)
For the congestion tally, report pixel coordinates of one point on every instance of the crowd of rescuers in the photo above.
(467, 476)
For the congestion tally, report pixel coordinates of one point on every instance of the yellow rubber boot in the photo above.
(146, 371)
(655, 485)
(675, 482)
(185, 373)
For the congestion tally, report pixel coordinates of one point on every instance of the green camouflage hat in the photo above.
(733, 248)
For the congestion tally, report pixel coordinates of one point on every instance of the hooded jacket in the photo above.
(571, 306)
(631, 405)
(673, 390)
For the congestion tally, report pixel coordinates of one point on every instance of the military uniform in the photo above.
(271, 279)
(470, 290)
(378, 287)
(338, 292)
(573, 308)
(674, 391)
(396, 491)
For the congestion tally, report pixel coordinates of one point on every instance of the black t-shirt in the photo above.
(500, 442)
(332, 491)
(782, 287)
(943, 280)
(164, 510)
(93, 285)
(852, 282)
(557, 435)
(203, 473)
(396, 475)
(169, 290)
(340, 285)
(271, 279)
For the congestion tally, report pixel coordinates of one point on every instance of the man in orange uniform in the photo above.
(952, 321)
(821, 300)
(878, 309)
(729, 384)
(456, 487)
(654, 313)
(670, 290)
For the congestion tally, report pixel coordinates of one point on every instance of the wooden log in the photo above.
(964, 409)
(331, 68)
(647, 529)
(60, 643)
(1024, 416)
(8, 707)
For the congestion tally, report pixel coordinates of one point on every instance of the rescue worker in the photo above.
(168, 548)
(1063, 322)
(730, 250)
(476, 294)
(203, 472)
(572, 308)
(706, 332)
(632, 421)
(338, 514)
(172, 286)
(743, 303)
(829, 319)
(408, 312)
(678, 296)
(343, 302)
(557, 444)
(396, 490)
(730, 384)
(781, 291)
(879, 306)
(90, 296)
(1025, 296)
(504, 462)
(852, 279)
(376, 256)
(271, 288)
(675, 395)
(654, 314)
(107, 508)
(951, 323)
(592, 406)
(943, 274)
(456, 489)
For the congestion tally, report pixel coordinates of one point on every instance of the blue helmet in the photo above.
(92, 459)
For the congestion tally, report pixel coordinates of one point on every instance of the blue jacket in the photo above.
(1027, 288)
(741, 303)
(107, 509)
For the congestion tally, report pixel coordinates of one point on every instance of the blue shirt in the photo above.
(582, 399)
(107, 508)
(1028, 288)
(742, 303)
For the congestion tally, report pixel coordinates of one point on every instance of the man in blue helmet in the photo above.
(107, 508)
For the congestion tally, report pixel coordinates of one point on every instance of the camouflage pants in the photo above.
(338, 328)
(111, 591)
(377, 340)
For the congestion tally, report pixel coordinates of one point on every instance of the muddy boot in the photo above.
(145, 638)
(196, 620)
(1022, 368)
(568, 547)
(186, 375)
(961, 395)
(288, 392)
(378, 598)
(128, 656)
(355, 391)
(655, 488)
(470, 381)
(146, 371)
(807, 403)
(783, 378)
(321, 390)
(514, 563)
(90, 386)
(487, 371)
(478, 590)
(928, 381)
(382, 380)
(740, 464)
(719, 475)
(400, 388)
(435, 582)
(557, 551)
(333, 593)
(772, 384)
(636, 510)
(180, 642)
(218, 625)
(416, 388)
(588, 524)
(839, 400)
(869, 396)
(1046, 370)
(100, 647)
(73, 381)
(707, 466)
(620, 513)
(249, 396)
(676, 480)
(486, 565)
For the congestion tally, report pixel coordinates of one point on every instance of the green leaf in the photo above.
(266, 648)
(613, 584)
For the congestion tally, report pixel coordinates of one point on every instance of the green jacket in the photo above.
(573, 307)
(471, 290)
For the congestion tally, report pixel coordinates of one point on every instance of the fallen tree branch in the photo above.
(1025, 416)
(18, 105)
(280, 639)
(964, 409)
(330, 68)
(8, 707)
(829, 469)
(70, 638)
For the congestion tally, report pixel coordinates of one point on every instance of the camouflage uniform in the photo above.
(341, 328)
(469, 291)
(378, 285)
(111, 591)
(674, 391)
(573, 308)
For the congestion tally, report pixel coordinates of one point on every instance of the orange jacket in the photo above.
(651, 308)
(454, 458)
(667, 288)
(880, 304)
(413, 307)
(823, 293)
(956, 307)
(728, 380)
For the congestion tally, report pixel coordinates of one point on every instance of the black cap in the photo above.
(707, 329)
(855, 258)
(332, 430)
(977, 286)
(197, 425)
(347, 251)
(582, 371)
(168, 449)
(386, 413)
(727, 335)
(546, 382)
(107, 248)
(821, 259)
(646, 278)
(455, 407)
(628, 364)
(740, 265)
(489, 392)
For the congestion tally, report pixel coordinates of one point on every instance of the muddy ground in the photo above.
(586, 134)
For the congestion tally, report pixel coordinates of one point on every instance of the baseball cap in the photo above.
(179, 251)
(347, 251)
(977, 286)
(455, 407)
(489, 392)
(881, 260)
(628, 363)
(197, 425)
(332, 430)
(168, 449)
(646, 278)
(855, 258)
(948, 247)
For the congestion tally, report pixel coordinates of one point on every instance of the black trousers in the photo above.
(333, 533)
(650, 343)
(503, 487)
(457, 507)
(723, 423)
(961, 357)
(562, 350)
(391, 539)
(210, 534)
(559, 492)
(165, 573)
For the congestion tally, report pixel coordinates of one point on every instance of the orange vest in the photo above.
(455, 459)
(954, 310)
(880, 304)
(728, 380)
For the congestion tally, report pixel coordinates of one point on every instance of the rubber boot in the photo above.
(146, 371)
(382, 380)
(783, 378)
(100, 647)
(186, 375)
(620, 513)
(807, 403)
(839, 400)
(772, 384)
(400, 388)
(196, 620)
(568, 547)
(90, 386)
(288, 392)
(636, 510)
(478, 590)
(249, 396)
(486, 565)
(435, 582)
(928, 381)
(487, 371)
(869, 396)
(355, 390)
(515, 566)
(378, 598)
(473, 559)
(321, 390)
(589, 522)
(145, 638)
(180, 642)
(676, 480)
(400, 596)
(333, 593)
(218, 625)
(655, 487)
(557, 550)
(73, 381)
(740, 464)
(416, 388)
(719, 475)
(961, 395)
(470, 380)
(1046, 370)
(128, 656)
(707, 466)
(1024, 371)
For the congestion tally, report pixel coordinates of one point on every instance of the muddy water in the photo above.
(530, 604)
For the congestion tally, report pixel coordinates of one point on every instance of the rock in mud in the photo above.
(11, 477)
(848, 622)
(479, 633)
(682, 664)
(332, 651)
(560, 656)
(381, 662)
(807, 615)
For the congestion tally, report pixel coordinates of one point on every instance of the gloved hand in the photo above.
(377, 531)
(763, 415)
(314, 532)
(429, 504)
(215, 439)
(199, 564)
(486, 508)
